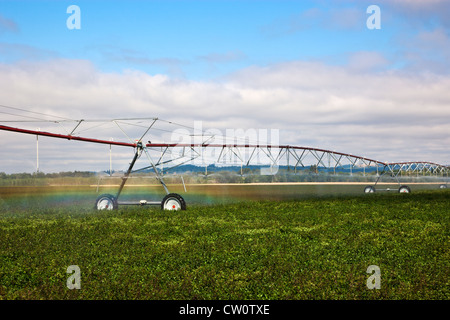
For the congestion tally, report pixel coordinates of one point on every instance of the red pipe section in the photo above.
(65, 136)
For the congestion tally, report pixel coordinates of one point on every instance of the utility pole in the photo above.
(37, 152)
(110, 159)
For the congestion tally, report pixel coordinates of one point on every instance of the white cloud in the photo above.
(318, 17)
(364, 61)
(17, 52)
(418, 2)
(386, 115)
(8, 25)
(229, 56)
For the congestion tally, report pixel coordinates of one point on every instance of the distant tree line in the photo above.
(25, 175)
(212, 175)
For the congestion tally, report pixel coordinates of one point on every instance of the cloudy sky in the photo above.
(313, 70)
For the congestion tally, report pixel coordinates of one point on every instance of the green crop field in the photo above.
(312, 248)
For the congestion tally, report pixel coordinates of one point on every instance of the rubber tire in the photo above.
(178, 202)
(369, 189)
(111, 202)
(408, 190)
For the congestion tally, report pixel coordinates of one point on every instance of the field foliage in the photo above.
(316, 248)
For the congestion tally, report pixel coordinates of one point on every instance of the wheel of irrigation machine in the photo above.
(173, 201)
(404, 189)
(369, 189)
(106, 202)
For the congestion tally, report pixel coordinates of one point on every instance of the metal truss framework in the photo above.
(292, 157)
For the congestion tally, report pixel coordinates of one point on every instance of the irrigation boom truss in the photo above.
(240, 154)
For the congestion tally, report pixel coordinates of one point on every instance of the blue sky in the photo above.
(207, 39)
(311, 69)
(195, 39)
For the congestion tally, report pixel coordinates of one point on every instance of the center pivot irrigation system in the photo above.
(203, 148)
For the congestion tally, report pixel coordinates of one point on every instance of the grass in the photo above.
(305, 249)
